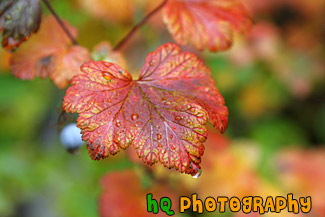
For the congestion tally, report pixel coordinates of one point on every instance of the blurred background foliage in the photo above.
(273, 83)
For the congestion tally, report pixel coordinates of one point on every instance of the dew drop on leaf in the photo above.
(167, 103)
(107, 75)
(118, 123)
(178, 118)
(158, 136)
(198, 174)
(134, 116)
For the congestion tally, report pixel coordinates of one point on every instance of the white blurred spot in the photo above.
(198, 174)
(71, 136)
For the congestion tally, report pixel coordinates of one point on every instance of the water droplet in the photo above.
(171, 136)
(118, 123)
(167, 103)
(134, 116)
(178, 118)
(158, 136)
(172, 147)
(197, 175)
(107, 76)
(151, 63)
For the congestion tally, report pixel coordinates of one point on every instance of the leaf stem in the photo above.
(136, 27)
(65, 29)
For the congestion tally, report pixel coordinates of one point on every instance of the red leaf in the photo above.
(117, 200)
(49, 53)
(163, 113)
(205, 23)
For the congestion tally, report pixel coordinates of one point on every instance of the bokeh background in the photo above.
(273, 81)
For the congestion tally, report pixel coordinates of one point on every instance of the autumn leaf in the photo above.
(302, 172)
(117, 200)
(18, 20)
(205, 23)
(49, 53)
(162, 114)
(230, 170)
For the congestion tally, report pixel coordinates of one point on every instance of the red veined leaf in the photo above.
(68, 64)
(18, 20)
(117, 200)
(205, 23)
(163, 113)
(49, 53)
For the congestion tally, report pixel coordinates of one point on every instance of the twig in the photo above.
(65, 29)
(136, 27)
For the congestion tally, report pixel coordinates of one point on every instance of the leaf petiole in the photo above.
(65, 29)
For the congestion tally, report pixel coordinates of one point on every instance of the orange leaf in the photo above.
(117, 200)
(205, 23)
(49, 53)
(163, 113)
(123, 196)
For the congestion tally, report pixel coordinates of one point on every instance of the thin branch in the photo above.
(136, 27)
(65, 29)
